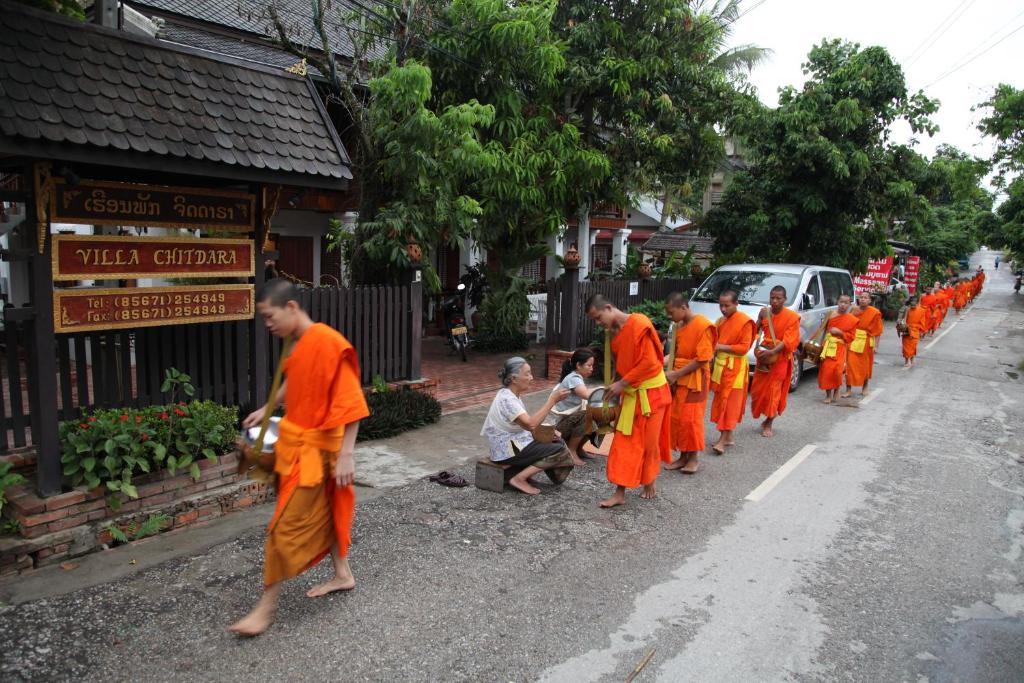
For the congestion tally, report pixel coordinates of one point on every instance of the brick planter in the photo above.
(75, 523)
(554, 362)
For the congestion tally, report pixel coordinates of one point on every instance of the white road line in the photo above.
(870, 397)
(778, 475)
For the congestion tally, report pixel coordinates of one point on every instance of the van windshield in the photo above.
(752, 286)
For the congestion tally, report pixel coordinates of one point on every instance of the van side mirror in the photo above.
(809, 301)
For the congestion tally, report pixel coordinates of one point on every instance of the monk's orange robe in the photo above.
(635, 457)
(730, 374)
(322, 396)
(915, 325)
(694, 341)
(961, 297)
(769, 390)
(832, 365)
(928, 303)
(860, 357)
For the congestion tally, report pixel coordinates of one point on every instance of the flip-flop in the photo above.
(448, 479)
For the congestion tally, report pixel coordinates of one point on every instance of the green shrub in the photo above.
(109, 447)
(7, 480)
(655, 310)
(503, 343)
(394, 412)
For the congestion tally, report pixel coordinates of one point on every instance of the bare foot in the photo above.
(577, 461)
(718, 448)
(692, 464)
(617, 498)
(676, 464)
(338, 583)
(827, 401)
(730, 442)
(848, 394)
(766, 431)
(253, 624)
(524, 487)
(648, 492)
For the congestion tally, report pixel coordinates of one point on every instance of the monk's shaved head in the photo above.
(846, 296)
(597, 302)
(780, 288)
(729, 294)
(677, 300)
(278, 292)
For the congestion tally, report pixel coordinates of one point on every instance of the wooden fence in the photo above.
(567, 323)
(384, 323)
(125, 368)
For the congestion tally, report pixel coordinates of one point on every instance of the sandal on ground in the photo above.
(448, 479)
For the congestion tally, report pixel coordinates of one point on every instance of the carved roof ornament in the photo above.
(298, 68)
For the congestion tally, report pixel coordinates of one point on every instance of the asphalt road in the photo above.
(891, 550)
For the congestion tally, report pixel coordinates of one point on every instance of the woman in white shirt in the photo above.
(508, 429)
(570, 412)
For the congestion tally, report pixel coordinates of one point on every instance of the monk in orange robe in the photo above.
(913, 322)
(313, 454)
(730, 374)
(961, 296)
(929, 304)
(770, 388)
(690, 374)
(842, 328)
(643, 429)
(860, 357)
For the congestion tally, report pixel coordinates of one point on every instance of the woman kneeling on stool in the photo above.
(509, 430)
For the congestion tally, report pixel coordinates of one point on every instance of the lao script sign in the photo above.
(913, 268)
(96, 202)
(877, 275)
(108, 257)
(81, 310)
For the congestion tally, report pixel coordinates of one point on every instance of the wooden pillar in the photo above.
(415, 327)
(571, 305)
(258, 344)
(42, 363)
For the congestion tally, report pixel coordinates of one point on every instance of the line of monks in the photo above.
(666, 399)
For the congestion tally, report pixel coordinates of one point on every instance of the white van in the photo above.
(812, 291)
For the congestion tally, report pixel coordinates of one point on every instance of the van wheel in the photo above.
(798, 371)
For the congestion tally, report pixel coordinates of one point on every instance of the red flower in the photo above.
(92, 419)
(165, 416)
(138, 419)
(83, 426)
(145, 437)
(123, 418)
(179, 412)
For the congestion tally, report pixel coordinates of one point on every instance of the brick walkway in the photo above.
(473, 383)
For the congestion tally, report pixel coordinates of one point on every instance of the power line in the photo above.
(944, 26)
(956, 68)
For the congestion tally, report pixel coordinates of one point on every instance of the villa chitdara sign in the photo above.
(81, 310)
(104, 257)
(96, 202)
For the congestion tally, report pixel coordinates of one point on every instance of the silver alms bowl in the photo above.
(269, 439)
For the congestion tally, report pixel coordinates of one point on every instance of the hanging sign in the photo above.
(97, 202)
(876, 277)
(913, 268)
(107, 257)
(81, 310)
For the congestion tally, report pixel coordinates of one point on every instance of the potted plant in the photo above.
(475, 280)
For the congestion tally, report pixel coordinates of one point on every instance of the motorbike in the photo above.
(455, 322)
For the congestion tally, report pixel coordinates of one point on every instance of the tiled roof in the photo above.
(226, 45)
(251, 16)
(83, 93)
(674, 241)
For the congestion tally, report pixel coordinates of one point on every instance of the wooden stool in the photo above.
(492, 476)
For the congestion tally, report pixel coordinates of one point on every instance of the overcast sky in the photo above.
(927, 37)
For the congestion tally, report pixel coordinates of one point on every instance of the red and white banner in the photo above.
(913, 268)
(877, 275)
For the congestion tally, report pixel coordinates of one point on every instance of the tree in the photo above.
(69, 8)
(1005, 123)
(825, 177)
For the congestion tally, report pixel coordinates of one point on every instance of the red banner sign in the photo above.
(876, 277)
(913, 268)
(107, 257)
(81, 310)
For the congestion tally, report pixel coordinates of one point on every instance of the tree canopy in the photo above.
(1005, 122)
(825, 177)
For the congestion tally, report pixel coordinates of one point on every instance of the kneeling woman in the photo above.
(508, 428)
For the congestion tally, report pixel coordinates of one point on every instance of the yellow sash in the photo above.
(860, 340)
(295, 444)
(724, 359)
(625, 421)
(831, 346)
